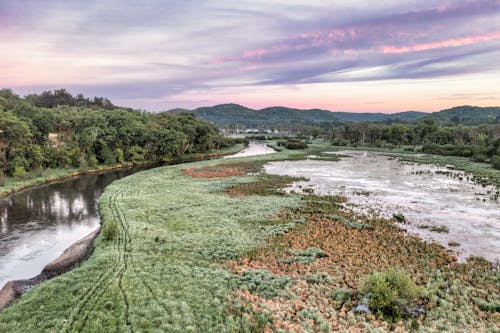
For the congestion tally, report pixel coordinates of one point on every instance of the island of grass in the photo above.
(216, 246)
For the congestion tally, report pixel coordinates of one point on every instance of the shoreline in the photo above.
(83, 248)
(122, 166)
(233, 238)
(72, 256)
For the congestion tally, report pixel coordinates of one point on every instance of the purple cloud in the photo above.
(154, 50)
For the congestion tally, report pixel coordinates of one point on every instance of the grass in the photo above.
(44, 176)
(165, 270)
(331, 283)
(191, 256)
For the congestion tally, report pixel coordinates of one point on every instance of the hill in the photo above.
(225, 114)
(468, 115)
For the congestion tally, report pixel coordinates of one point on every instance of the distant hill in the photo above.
(225, 114)
(468, 115)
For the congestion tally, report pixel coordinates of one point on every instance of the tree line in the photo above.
(481, 143)
(58, 130)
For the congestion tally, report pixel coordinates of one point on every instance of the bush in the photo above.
(92, 161)
(496, 162)
(292, 144)
(120, 158)
(390, 292)
(2, 178)
(82, 164)
(19, 173)
(110, 230)
(479, 157)
(399, 217)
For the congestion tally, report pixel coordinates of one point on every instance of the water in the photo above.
(254, 148)
(37, 225)
(379, 185)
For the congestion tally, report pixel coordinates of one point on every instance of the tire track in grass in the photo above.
(106, 278)
(127, 241)
(102, 282)
(150, 289)
(124, 239)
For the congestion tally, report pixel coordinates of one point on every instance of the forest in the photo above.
(56, 130)
(481, 143)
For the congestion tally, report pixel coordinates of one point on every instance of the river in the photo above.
(441, 205)
(254, 148)
(38, 224)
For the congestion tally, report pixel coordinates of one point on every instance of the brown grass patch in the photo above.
(351, 254)
(217, 171)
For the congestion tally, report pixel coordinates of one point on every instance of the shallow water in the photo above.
(37, 225)
(380, 185)
(254, 148)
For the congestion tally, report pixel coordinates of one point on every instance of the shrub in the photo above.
(120, 158)
(390, 292)
(19, 173)
(479, 157)
(110, 230)
(399, 217)
(292, 144)
(496, 162)
(2, 178)
(92, 160)
(82, 164)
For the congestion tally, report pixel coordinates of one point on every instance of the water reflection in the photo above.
(37, 225)
(254, 148)
(438, 207)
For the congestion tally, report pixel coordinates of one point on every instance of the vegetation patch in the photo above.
(391, 293)
(265, 185)
(263, 283)
(190, 256)
(308, 255)
(213, 172)
(399, 217)
(110, 230)
(399, 276)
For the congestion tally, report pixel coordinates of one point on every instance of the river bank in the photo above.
(48, 176)
(26, 264)
(234, 253)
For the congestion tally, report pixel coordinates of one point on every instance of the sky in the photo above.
(358, 56)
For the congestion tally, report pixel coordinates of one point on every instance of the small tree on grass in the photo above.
(2, 178)
(110, 230)
(390, 292)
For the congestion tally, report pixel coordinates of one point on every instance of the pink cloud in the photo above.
(453, 42)
(300, 42)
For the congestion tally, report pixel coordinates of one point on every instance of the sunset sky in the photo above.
(342, 55)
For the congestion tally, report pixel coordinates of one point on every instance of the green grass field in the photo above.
(171, 266)
(41, 177)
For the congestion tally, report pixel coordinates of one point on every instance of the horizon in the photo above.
(340, 57)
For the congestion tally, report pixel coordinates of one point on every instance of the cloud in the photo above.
(453, 42)
(153, 49)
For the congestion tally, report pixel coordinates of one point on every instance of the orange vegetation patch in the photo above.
(351, 253)
(355, 246)
(214, 172)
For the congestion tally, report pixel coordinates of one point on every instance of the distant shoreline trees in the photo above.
(57, 130)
